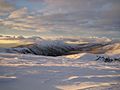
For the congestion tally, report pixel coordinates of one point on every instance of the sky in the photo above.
(60, 18)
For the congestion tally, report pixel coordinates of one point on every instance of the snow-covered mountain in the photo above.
(60, 47)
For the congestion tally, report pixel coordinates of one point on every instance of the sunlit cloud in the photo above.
(20, 13)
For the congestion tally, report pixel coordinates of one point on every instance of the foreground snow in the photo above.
(74, 67)
(71, 72)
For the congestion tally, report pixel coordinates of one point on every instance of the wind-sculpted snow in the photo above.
(33, 72)
(60, 47)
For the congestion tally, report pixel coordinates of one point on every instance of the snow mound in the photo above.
(113, 49)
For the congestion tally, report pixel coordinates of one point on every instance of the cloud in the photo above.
(67, 17)
(37, 0)
(84, 13)
(5, 7)
(19, 13)
(21, 20)
(17, 25)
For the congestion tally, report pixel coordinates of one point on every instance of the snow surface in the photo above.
(20, 70)
(32, 72)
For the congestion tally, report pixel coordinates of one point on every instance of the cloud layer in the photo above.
(65, 17)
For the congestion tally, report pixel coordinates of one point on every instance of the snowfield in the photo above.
(75, 68)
